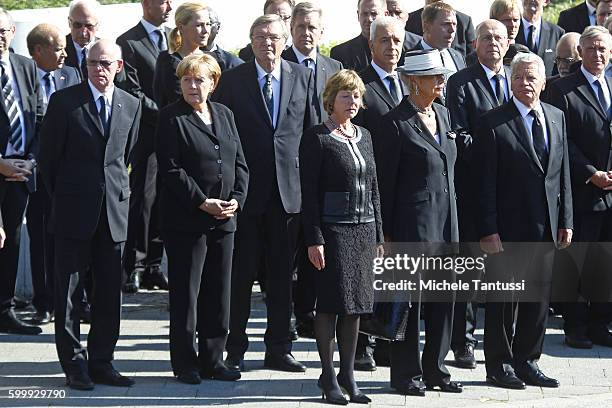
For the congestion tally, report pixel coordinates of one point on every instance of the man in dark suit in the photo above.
(140, 46)
(521, 162)
(86, 141)
(83, 22)
(355, 53)
(471, 92)
(585, 97)
(226, 59)
(539, 36)
(47, 48)
(9, 172)
(281, 105)
(463, 41)
(579, 17)
(21, 109)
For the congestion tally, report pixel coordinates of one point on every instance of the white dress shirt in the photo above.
(150, 28)
(108, 97)
(9, 71)
(504, 84)
(592, 13)
(276, 87)
(447, 58)
(528, 119)
(79, 52)
(602, 81)
(383, 77)
(301, 57)
(536, 33)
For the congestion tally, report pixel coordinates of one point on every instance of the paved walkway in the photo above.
(29, 363)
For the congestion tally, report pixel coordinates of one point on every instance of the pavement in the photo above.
(28, 367)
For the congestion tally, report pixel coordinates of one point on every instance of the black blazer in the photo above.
(416, 177)
(575, 19)
(246, 53)
(225, 59)
(464, 37)
(547, 47)
(326, 67)
(196, 164)
(271, 153)
(589, 138)
(166, 86)
(81, 169)
(518, 199)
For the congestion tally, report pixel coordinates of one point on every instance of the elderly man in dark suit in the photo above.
(83, 22)
(140, 46)
(225, 59)
(355, 54)
(579, 17)
(47, 48)
(525, 196)
(281, 104)
(21, 109)
(86, 141)
(471, 92)
(585, 97)
(538, 35)
(463, 41)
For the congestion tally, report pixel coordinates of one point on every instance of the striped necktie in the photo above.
(11, 108)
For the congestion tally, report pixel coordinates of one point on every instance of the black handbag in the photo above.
(387, 321)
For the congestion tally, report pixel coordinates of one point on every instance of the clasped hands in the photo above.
(602, 179)
(219, 209)
(15, 169)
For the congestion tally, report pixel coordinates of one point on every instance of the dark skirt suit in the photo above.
(166, 85)
(196, 162)
(416, 179)
(341, 211)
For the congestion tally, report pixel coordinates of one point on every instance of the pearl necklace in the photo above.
(335, 127)
(425, 111)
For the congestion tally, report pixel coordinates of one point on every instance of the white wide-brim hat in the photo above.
(423, 62)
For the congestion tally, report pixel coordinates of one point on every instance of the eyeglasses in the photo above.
(284, 18)
(263, 38)
(103, 63)
(566, 61)
(77, 25)
(5, 31)
(490, 38)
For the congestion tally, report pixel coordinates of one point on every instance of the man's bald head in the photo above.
(567, 52)
(491, 43)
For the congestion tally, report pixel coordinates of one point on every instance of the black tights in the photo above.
(346, 328)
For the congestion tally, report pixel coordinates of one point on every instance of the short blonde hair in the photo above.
(183, 15)
(343, 80)
(499, 7)
(196, 64)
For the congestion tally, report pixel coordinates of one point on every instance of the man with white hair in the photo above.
(585, 97)
(521, 162)
(87, 139)
(83, 20)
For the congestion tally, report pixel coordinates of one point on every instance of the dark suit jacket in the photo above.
(575, 19)
(464, 36)
(589, 138)
(226, 59)
(81, 169)
(66, 76)
(326, 67)
(416, 177)
(355, 54)
(457, 56)
(547, 48)
(518, 199)
(166, 86)
(71, 57)
(271, 153)
(246, 53)
(188, 154)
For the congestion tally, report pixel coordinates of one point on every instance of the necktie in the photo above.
(539, 144)
(499, 91)
(160, 42)
(309, 63)
(103, 115)
(531, 39)
(269, 96)
(11, 108)
(393, 88)
(84, 63)
(602, 100)
(47, 85)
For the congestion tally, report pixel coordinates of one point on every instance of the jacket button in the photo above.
(219, 161)
(216, 147)
(219, 176)
(444, 173)
(446, 190)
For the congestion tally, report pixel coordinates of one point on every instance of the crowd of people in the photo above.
(291, 168)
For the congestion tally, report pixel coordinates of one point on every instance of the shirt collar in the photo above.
(527, 24)
(490, 74)
(4, 58)
(96, 94)
(381, 72)
(591, 9)
(590, 77)
(301, 57)
(524, 110)
(276, 73)
(425, 45)
(42, 73)
(149, 28)
(78, 48)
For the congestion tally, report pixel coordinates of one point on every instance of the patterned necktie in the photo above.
(531, 40)
(539, 143)
(84, 63)
(602, 99)
(393, 88)
(499, 91)
(103, 115)
(160, 43)
(11, 108)
(269, 96)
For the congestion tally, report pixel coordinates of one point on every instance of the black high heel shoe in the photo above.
(331, 395)
(358, 397)
(452, 386)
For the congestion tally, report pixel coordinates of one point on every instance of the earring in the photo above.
(416, 90)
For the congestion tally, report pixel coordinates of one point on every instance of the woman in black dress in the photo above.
(193, 27)
(342, 229)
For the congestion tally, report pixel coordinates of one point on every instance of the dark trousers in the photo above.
(304, 296)
(273, 237)
(72, 256)
(13, 208)
(41, 249)
(199, 277)
(144, 246)
(464, 325)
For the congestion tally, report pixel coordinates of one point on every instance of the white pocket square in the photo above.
(548, 50)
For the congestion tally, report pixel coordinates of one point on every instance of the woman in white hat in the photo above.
(415, 163)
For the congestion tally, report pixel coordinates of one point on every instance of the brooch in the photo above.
(451, 135)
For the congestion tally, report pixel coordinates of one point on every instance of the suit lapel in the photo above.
(252, 85)
(286, 89)
(485, 85)
(320, 75)
(585, 89)
(195, 120)
(20, 76)
(380, 88)
(545, 33)
(91, 109)
(518, 127)
(553, 132)
(419, 127)
(146, 41)
(457, 59)
(116, 115)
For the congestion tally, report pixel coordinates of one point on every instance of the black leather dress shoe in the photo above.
(601, 337)
(234, 362)
(506, 380)
(10, 323)
(132, 284)
(452, 386)
(579, 341)
(190, 377)
(42, 317)
(283, 362)
(464, 356)
(410, 388)
(221, 374)
(537, 378)
(110, 376)
(79, 381)
(154, 278)
(364, 362)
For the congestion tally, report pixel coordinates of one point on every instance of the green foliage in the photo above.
(36, 4)
(551, 13)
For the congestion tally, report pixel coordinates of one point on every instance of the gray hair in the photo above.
(493, 22)
(212, 14)
(529, 59)
(269, 19)
(592, 32)
(92, 5)
(384, 21)
(110, 45)
(306, 7)
(402, 3)
(607, 23)
(8, 16)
